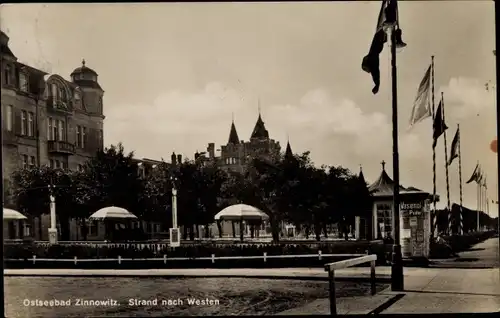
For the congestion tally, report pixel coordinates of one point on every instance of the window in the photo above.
(24, 122)
(77, 96)
(50, 135)
(384, 219)
(156, 228)
(51, 163)
(78, 136)
(64, 164)
(62, 94)
(23, 82)
(61, 131)
(84, 137)
(53, 90)
(9, 118)
(32, 161)
(31, 124)
(55, 132)
(25, 161)
(6, 75)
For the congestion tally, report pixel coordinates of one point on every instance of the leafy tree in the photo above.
(115, 181)
(31, 189)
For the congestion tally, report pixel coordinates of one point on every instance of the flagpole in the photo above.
(450, 232)
(460, 179)
(397, 279)
(478, 206)
(434, 219)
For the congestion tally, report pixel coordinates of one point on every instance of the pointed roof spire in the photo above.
(233, 134)
(361, 175)
(383, 165)
(259, 131)
(83, 62)
(288, 151)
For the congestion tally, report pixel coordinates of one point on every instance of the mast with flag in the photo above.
(439, 127)
(476, 177)
(388, 21)
(450, 231)
(456, 152)
(423, 107)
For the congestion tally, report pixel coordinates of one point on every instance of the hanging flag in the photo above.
(454, 146)
(439, 124)
(475, 174)
(421, 109)
(371, 62)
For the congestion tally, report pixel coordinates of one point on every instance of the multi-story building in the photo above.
(47, 120)
(52, 122)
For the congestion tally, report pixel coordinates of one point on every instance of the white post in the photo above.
(165, 259)
(265, 257)
(174, 208)
(119, 259)
(34, 259)
(319, 255)
(53, 226)
(76, 260)
(213, 258)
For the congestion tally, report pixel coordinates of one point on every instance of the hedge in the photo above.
(24, 253)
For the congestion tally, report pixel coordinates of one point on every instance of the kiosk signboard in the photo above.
(414, 222)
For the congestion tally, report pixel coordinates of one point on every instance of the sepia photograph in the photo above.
(249, 158)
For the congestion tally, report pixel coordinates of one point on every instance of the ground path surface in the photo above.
(482, 255)
(471, 283)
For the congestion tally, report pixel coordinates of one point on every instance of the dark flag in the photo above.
(439, 125)
(475, 175)
(371, 62)
(454, 146)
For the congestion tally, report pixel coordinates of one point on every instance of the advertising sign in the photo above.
(413, 214)
(174, 237)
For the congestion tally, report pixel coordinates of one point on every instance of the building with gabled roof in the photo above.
(237, 153)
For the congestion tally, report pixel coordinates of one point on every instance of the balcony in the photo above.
(61, 147)
(58, 105)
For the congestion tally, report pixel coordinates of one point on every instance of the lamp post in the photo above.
(53, 223)
(397, 279)
(174, 203)
(174, 231)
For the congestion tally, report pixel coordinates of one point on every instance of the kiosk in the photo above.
(415, 216)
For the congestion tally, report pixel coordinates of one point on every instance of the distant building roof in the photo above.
(384, 186)
(233, 135)
(260, 131)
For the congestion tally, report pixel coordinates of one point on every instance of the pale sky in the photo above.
(174, 73)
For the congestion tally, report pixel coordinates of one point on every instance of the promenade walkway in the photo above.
(427, 290)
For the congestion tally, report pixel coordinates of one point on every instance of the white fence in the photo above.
(165, 258)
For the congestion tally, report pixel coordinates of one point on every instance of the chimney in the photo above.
(179, 159)
(211, 150)
(196, 156)
(173, 158)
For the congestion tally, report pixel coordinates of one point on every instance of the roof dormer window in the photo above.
(23, 82)
(7, 73)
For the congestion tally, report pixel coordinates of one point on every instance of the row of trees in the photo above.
(287, 189)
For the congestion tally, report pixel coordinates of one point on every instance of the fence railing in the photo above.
(331, 267)
(165, 258)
